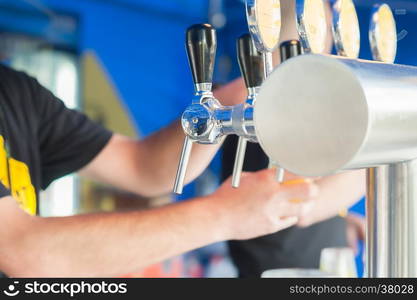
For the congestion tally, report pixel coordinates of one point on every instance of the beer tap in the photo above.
(197, 120)
(252, 67)
(206, 121)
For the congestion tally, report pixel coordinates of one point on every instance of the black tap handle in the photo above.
(290, 49)
(201, 46)
(251, 61)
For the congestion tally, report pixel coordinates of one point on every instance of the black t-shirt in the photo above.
(290, 248)
(40, 138)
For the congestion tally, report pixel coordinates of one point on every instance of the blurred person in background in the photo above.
(299, 246)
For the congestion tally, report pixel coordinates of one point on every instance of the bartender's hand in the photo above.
(337, 193)
(260, 205)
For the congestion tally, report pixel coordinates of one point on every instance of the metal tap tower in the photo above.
(317, 115)
(391, 197)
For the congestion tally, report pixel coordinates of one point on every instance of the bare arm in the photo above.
(102, 244)
(117, 243)
(148, 167)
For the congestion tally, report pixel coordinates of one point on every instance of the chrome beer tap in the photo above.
(198, 119)
(252, 67)
(206, 121)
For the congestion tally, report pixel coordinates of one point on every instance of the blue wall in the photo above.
(140, 43)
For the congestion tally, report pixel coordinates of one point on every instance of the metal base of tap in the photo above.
(392, 220)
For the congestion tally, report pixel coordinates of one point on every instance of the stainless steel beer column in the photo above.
(391, 189)
(391, 219)
(364, 116)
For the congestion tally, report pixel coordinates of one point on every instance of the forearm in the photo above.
(110, 244)
(119, 243)
(147, 167)
(337, 192)
(160, 156)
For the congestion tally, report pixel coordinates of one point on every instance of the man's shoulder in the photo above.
(9, 74)
(15, 82)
